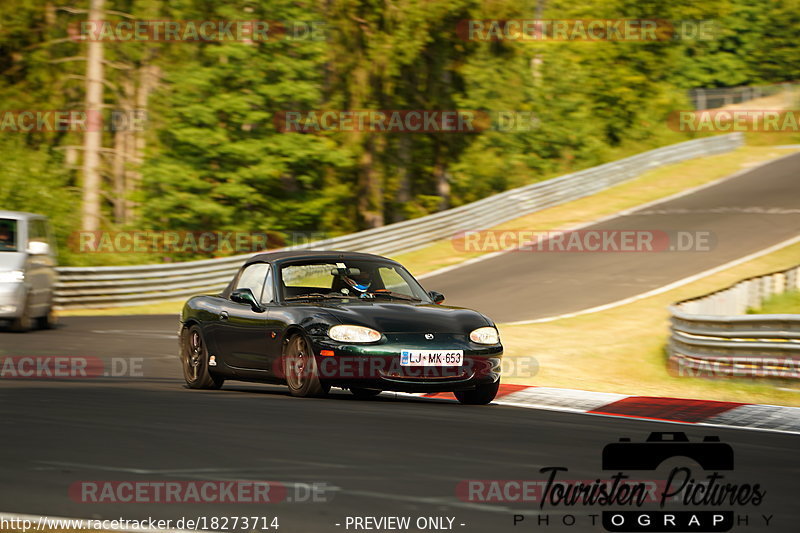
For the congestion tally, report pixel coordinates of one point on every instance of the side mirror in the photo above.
(245, 296)
(437, 297)
(38, 248)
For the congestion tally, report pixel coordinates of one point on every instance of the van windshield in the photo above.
(8, 235)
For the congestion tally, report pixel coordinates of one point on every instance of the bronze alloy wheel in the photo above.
(300, 368)
(194, 356)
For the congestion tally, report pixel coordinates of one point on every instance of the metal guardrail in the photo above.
(714, 98)
(87, 287)
(712, 336)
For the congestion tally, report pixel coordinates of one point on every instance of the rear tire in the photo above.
(194, 357)
(481, 395)
(364, 394)
(300, 368)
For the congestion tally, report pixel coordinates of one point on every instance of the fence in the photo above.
(83, 287)
(712, 336)
(723, 96)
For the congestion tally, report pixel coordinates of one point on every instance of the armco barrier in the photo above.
(716, 97)
(83, 287)
(712, 335)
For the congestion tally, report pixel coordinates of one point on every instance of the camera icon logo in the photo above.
(710, 454)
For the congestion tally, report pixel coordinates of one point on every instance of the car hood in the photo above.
(408, 318)
(11, 261)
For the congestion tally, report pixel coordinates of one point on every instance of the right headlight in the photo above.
(485, 335)
(12, 276)
(348, 333)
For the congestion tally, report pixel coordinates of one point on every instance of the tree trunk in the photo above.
(93, 137)
(136, 142)
(403, 194)
(441, 176)
(118, 175)
(370, 198)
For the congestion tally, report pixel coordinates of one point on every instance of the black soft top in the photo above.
(292, 255)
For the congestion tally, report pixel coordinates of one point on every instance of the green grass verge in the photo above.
(785, 303)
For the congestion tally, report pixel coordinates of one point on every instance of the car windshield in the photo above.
(8, 235)
(349, 280)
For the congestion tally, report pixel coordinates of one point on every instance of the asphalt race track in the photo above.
(743, 215)
(386, 457)
(391, 456)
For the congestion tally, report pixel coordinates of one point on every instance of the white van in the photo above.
(27, 270)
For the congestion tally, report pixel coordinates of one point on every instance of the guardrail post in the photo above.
(766, 289)
(753, 300)
(700, 99)
(741, 298)
(792, 279)
(778, 283)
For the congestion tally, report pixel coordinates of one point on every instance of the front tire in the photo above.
(482, 394)
(300, 368)
(48, 321)
(23, 322)
(194, 356)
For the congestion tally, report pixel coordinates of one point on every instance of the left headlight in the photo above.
(345, 333)
(487, 335)
(12, 276)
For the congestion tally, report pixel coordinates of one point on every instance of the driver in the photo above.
(360, 282)
(6, 238)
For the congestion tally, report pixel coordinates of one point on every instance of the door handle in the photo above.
(223, 315)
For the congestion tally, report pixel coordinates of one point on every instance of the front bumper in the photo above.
(377, 366)
(12, 300)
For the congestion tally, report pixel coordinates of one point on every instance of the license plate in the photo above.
(431, 357)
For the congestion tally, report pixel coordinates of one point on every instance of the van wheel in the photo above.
(48, 321)
(23, 322)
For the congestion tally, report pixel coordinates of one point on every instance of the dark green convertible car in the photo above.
(315, 320)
